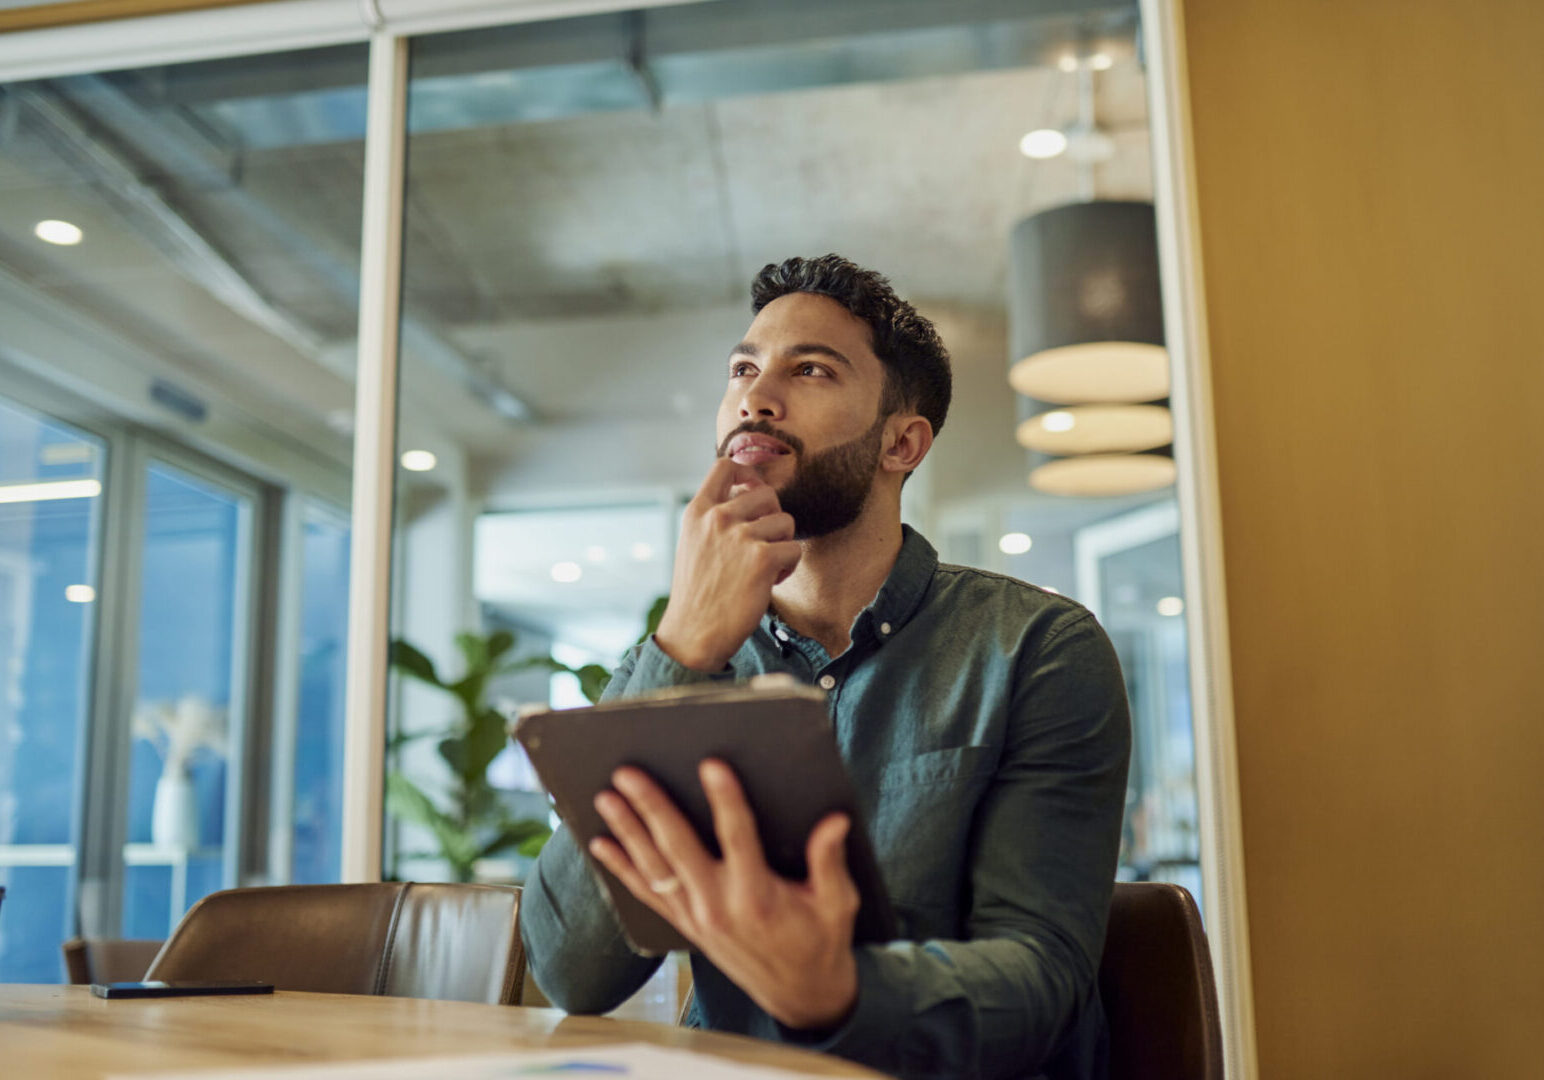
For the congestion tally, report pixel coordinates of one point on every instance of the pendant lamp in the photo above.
(1086, 333)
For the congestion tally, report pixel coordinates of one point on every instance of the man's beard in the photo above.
(829, 490)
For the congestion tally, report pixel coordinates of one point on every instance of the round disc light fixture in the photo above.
(1097, 429)
(419, 460)
(1103, 474)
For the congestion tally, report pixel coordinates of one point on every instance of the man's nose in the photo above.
(761, 401)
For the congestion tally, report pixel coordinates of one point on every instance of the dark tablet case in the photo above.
(780, 745)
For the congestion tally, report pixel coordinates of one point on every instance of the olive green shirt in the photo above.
(985, 727)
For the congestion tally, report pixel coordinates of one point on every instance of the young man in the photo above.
(983, 721)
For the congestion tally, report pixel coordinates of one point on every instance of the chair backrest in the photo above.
(1157, 986)
(451, 942)
(107, 960)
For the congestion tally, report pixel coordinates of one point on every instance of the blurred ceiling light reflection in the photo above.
(419, 461)
(1014, 543)
(595, 553)
(1068, 63)
(1043, 143)
(1171, 605)
(1101, 62)
(642, 552)
(58, 232)
(79, 594)
(567, 572)
(1060, 420)
(50, 489)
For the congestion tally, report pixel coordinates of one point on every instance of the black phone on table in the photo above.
(179, 989)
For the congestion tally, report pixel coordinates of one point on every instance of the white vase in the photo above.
(174, 818)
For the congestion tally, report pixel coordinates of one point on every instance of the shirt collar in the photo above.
(899, 597)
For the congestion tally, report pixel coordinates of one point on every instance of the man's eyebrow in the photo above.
(818, 350)
(749, 348)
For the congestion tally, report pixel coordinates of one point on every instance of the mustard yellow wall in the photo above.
(1371, 201)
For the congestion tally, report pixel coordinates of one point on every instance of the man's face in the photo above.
(802, 410)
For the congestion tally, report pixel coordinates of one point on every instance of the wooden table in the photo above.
(64, 1033)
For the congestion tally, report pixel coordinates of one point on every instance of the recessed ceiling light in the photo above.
(419, 460)
(567, 572)
(79, 594)
(1068, 62)
(1101, 62)
(1060, 420)
(1014, 543)
(595, 553)
(58, 232)
(1171, 605)
(641, 552)
(1043, 143)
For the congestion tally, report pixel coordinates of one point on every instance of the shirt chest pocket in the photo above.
(921, 825)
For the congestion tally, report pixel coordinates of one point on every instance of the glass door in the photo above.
(51, 481)
(183, 812)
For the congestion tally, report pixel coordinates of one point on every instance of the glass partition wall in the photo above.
(178, 297)
(587, 201)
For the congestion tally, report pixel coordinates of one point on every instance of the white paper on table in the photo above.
(636, 1061)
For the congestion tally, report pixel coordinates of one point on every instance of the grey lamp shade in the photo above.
(1085, 310)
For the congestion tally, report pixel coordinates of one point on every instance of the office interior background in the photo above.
(587, 198)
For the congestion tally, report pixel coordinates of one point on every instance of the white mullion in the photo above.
(375, 417)
(1201, 540)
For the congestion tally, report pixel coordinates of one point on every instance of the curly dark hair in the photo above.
(917, 375)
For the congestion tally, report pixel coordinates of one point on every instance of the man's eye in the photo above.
(737, 371)
(812, 369)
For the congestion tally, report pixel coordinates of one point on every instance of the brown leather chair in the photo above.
(1157, 986)
(105, 960)
(451, 942)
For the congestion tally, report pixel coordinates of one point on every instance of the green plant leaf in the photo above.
(533, 846)
(513, 834)
(651, 620)
(470, 755)
(499, 643)
(474, 648)
(469, 692)
(410, 661)
(406, 801)
(525, 663)
(593, 680)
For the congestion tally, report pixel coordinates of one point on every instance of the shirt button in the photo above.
(884, 628)
(782, 635)
(827, 682)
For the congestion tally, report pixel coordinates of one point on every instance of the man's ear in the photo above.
(907, 441)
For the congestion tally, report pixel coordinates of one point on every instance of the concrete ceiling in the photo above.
(596, 264)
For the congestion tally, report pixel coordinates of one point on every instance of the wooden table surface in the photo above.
(64, 1033)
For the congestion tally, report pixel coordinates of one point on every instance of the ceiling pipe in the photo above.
(178, 148)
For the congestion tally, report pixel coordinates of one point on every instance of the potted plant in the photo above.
(471, 821)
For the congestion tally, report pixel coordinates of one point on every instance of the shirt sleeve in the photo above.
(573, 941)
(1007, 1000)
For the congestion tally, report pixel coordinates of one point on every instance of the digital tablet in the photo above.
(778, 741)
